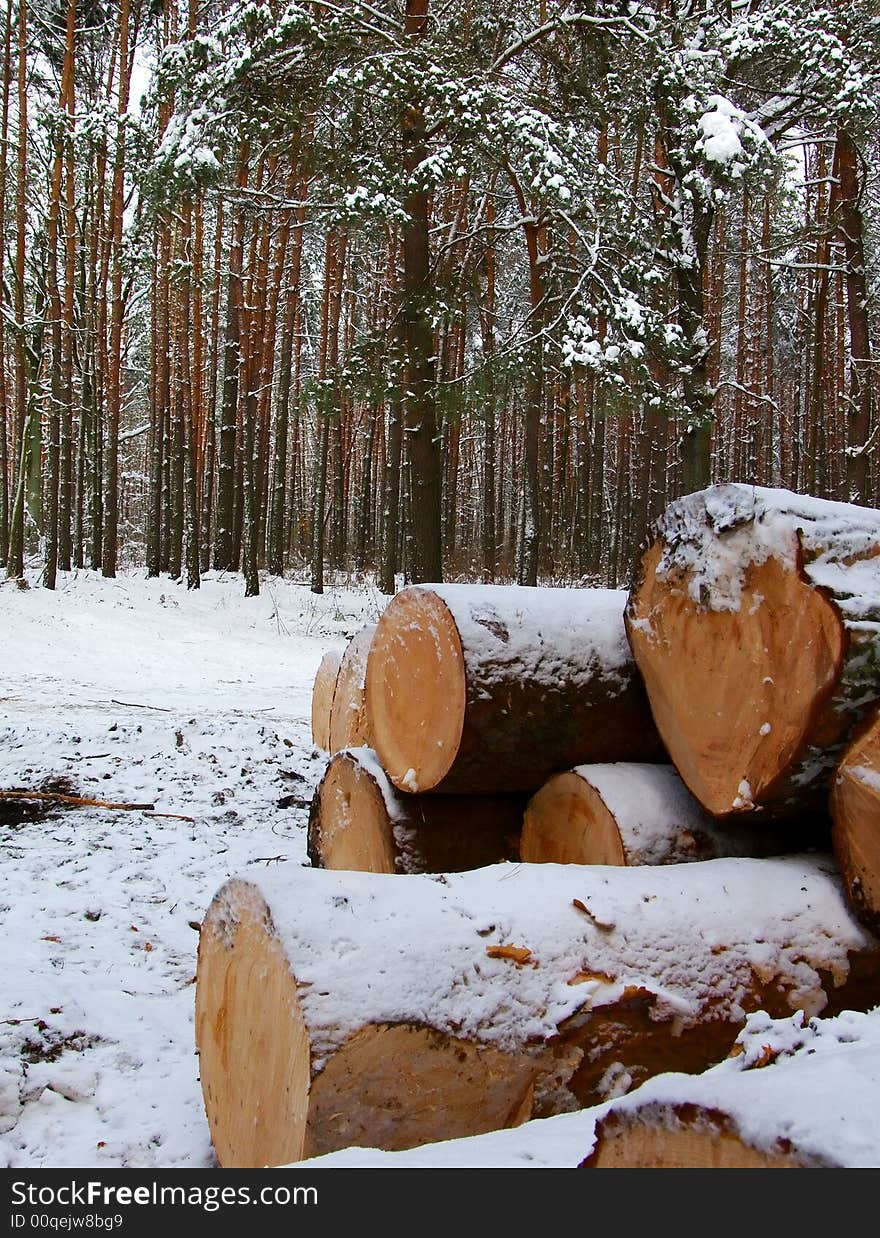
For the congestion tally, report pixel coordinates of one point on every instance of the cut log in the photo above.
(683, 1136)
(473, 689)
(322, 697)
(338, 1009)
(855, 807)
(349, 727)
(809, 1101)
(631, 813)
(360, 822)
(754, 624)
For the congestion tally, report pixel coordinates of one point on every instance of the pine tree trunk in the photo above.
(115, 391)
(225, 556)
(860, 405)
(277, 539)
(4, 390)
(423, 447)
(15, 561)
(68, 343)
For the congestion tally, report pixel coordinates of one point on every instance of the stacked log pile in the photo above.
(457, 706)
(473, 690)
(396, 1007)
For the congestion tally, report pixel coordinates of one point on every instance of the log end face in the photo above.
(416, 690)
(736, 693)
(322, 698)
(349, 718)
(855, 808)
(677, 1137)
(352, 829)
(567, 822)
(254, 1054)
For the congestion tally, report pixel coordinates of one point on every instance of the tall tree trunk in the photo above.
(490, 549)
(225, 557)
(285, 384)
(334, 260)
(117, 310)
(814, 463)
(860, 401)
(423, 446)
(4, 391)
(698, 397)
(210, 452)
(65, 485)
(530, 518)
(15, 562)
(56, 366)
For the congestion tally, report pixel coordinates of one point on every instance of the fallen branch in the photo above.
(79, 801)
(135, 705)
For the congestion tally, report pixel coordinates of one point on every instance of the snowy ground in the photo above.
(135, 691)
(198, 703)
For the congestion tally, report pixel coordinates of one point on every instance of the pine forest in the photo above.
(447, 290)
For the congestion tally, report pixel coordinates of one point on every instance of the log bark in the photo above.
(349, 725)
(855, 807)
(754, 624)
(474, 689)
(341, 1009)
(359, 821)
(633, 813)
(797, 1094)
(322, 697)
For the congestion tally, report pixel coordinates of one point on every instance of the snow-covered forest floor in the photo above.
(198, 703)
(134, 690)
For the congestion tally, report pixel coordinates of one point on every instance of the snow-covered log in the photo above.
(360, 821)
(755, 626)
(855, 807)
(798, 1095)
(322, 697)
(631, 813)
(474, 689)
(337, 1009)
(349, 726)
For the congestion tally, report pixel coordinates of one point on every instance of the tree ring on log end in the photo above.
(567, 822)
(322, 698)
(349, 721)
(360, 835)
(736, 694)
(855, 807)
(416, 690)
(683, 1137)
(255, 1081)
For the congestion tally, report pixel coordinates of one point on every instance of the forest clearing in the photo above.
(439, 586)
(187, 713)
